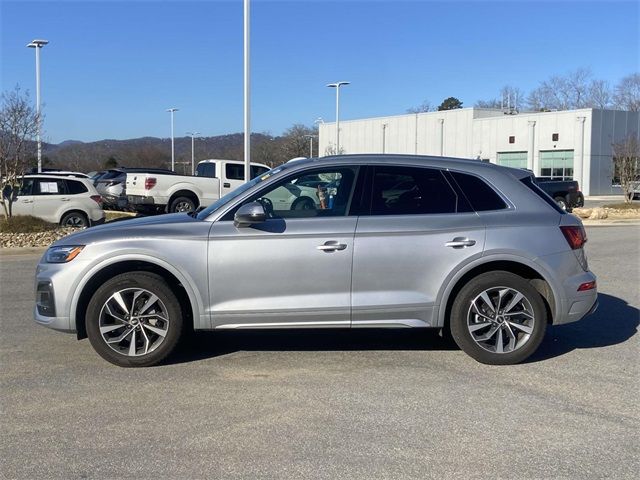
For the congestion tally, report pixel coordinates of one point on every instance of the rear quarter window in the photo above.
(76, 188)
(529, 182)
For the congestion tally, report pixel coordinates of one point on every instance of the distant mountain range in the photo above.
(156, 152)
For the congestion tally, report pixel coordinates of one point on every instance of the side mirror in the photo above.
(249, 214)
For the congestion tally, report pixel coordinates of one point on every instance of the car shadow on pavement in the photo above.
(614, 322)
(202, 345)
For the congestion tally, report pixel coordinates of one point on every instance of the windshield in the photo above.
(236, 193)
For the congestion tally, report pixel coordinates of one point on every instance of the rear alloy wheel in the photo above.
(498, 318)
(74, 220)
(182, 204)
(134, 320)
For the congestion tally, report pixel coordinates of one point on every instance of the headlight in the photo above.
(62, 254)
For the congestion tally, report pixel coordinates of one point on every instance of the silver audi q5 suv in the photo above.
(474, 249)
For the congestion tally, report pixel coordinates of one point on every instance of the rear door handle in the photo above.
(460, 242)
(332, 246)
(65, 199)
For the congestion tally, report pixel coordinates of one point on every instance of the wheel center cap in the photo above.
(500, 319)
(134, 321)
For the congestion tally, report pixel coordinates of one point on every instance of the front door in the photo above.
(23, 202)
(294, 269)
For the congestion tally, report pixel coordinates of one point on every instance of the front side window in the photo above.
(321, 193)
(411, 191)
(234, 171)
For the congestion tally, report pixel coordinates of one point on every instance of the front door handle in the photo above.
(27, 201)
(332, 246)
(226, 185)
(65, 199)
(460, 242)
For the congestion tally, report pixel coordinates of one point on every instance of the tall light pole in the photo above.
(310, 137)
(38, 44)
(247, 116)
(337, 86)
(173, 149)
(193, 136)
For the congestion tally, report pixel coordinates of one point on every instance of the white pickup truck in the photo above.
(185, 193)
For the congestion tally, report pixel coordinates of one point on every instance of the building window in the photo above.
(557, 164)
(555, 137)
(512, 139)
(512, 159)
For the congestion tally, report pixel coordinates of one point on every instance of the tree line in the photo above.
(576, 89)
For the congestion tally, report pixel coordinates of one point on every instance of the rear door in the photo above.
(419, 228)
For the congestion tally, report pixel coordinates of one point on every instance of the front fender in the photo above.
(200, 318)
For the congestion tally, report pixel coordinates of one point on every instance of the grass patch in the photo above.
(624, 206)
(113, 214)
(25, 224)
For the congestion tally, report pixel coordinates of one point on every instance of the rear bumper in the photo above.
(134, 200)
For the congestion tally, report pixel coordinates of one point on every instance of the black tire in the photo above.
(525, 344)
(303, 203)
(75, 220)
(182, 204)
(562, 203)
(135, 281)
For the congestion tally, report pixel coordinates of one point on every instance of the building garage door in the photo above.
(557, 164)
(512, 159)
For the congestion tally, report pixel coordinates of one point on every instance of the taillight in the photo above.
(575, 235)
(97, 199)
(149, 183)
(587, 286)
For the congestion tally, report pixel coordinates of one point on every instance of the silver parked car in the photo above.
(471, 248)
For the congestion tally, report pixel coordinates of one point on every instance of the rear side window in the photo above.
(49, 186)
(76, 187)
(529, 182)
(206, 170)
(411, 191)
(481, 196)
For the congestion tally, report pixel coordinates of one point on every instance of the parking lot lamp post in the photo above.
(337, 86)
(38, 44)
(173, 149)
(193, 136)
(310, 137)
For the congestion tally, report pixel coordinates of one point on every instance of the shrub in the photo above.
(25, 224)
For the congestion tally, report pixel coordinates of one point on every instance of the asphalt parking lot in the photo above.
(328, 404)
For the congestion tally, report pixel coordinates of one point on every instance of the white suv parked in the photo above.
(72, 202)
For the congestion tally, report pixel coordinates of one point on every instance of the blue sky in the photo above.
(113, 67)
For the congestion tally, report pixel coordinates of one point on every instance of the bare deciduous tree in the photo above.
(422, 108)
(626, 164)
(575, 90)
(627, 93)
(18, 128)
(294, 142)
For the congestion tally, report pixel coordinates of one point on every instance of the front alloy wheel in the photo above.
(134, 320)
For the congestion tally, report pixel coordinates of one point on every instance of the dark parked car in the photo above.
(566, 193)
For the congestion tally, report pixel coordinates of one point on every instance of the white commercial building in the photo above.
(566, 144)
